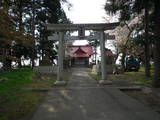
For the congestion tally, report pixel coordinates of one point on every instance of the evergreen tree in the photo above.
(22, 27)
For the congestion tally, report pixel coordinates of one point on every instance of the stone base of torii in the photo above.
(61, 28)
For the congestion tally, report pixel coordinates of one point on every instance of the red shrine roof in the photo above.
(80, 51)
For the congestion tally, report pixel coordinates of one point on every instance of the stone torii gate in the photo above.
(61, 28)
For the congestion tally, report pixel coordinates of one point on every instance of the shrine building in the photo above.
(80, 55)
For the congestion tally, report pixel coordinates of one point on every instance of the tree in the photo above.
(125, 17)
(95, 44)
(9, 37)
(128, 10)
(138, 7)
(124, 36)
(22, 27)
(151, 12)
(19, 8)
(49, 12)
(156, 82)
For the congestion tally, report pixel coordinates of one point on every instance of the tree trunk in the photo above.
(6, 61)
(95, 54)
(123, 58)
(156, 82)
(147, 48)
(19, 63)
(7, 64)
(33, 34)
(21, 29)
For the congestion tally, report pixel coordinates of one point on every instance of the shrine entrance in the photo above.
(62, 28)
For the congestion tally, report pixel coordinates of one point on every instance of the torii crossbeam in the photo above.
(74, 27)
(55, 37)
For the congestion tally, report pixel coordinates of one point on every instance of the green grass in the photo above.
(14, 82)
(139, 77)
(47, 81)
(42, 82)
(95, 76)
(15, 102)
(135, 77)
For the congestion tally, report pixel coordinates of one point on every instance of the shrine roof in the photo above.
(81, 51)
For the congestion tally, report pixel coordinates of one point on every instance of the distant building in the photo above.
(80, 54)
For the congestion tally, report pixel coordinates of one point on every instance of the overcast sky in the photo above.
(88, 11)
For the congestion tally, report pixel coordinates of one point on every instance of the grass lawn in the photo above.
(136, 77)
(15, 102)
(46, 81)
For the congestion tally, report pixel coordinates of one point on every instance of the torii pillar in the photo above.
(60, 60)
(104, 79)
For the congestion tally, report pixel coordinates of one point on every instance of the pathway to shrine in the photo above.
(84, 99)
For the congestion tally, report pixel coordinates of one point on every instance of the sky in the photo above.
(88, 11)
